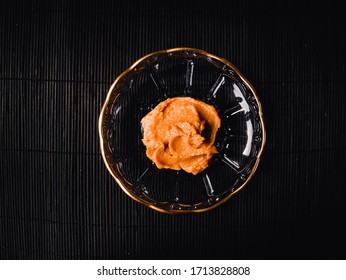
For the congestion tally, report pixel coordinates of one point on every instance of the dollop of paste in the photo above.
(179, 133)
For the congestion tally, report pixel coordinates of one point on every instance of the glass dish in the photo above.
(171, 73)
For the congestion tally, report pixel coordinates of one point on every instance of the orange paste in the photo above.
(179, 133)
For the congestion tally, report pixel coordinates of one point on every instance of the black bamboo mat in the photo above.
(57, 61)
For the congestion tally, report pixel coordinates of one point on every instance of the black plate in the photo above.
(172, 73)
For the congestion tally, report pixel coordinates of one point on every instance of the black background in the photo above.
(57, 61)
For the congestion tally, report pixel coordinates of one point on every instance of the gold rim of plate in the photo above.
(116, 177)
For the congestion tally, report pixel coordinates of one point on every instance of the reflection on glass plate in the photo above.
(173, 73)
